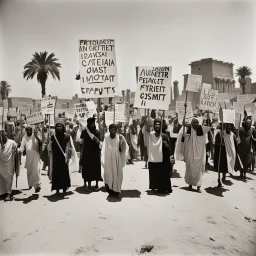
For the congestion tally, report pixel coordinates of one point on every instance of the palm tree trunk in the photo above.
(43, 88)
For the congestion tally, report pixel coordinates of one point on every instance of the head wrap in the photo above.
(60, 120)
(29, 127)
(113, 126)
(157, 120)
(90, 120)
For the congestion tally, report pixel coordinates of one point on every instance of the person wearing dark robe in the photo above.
(228, 162)
(60, 149)
(159, 160)
(141, 142)
(91, 150)
(247, 135)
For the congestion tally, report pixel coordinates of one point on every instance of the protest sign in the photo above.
(69, 112)
(91, 108)
(120, 113)
(180, 109)
(109, 118)
(194, 83)
(82, 113)
(12, 112)
(228, 116)
(97, 60)
(209, 99)
(35, 118)
(153, 88)
(206, 86)
(48, 105)
(249, 108)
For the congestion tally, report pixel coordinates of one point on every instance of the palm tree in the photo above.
(243, 72)
(41, 65)
(5, 89)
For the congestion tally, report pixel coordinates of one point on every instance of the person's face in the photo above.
(59, 127)
(92, 125)
(157, 127)
(248, 125)
(228, 128)
(112, 132)
(29, 132)
(4, 137)
(195, 124)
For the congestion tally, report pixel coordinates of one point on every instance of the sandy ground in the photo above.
(216, 222)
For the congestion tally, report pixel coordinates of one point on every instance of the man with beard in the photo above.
(159, 160)
(90, 160)
(32, 143)
(60, 150)
(113, 159)
(247, 136)
(195, 153)
(8, 163)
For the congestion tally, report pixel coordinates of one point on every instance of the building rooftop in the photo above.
(211, 60)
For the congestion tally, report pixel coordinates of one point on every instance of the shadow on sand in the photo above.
(187, 189)
(227, 182)
(240, 179)
(175, 174)
(216, 191)
(85, 191)
(124, 194)
(156, 193)
(55, 198)
(27, 200)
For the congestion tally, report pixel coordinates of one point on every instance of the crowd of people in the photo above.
(157, 141)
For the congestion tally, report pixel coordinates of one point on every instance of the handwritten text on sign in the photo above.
(194, 83)
(106, 92)
(35, 118)
(48, 105)
(153, 88)
(97, 64)
(209, 99)
(120, 115)
(180, 109)
(109, 118)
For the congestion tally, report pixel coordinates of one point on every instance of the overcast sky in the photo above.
(147, 33)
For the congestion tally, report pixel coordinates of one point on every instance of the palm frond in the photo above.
(243, 72)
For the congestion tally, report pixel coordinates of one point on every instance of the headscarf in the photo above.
(91, 120)
(113, 126)
(62, 122)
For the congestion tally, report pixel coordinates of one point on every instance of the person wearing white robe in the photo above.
(7, 165)
(195, 153)
(31, 144)
(113, 159)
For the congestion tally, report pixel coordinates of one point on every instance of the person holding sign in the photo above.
(195, 153)
(91, 147)
(32, 144)
(113, 159)
(8, 153)
(247, 135)
(226, 140)
(159, 160)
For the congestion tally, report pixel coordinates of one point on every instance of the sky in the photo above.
(146, 33)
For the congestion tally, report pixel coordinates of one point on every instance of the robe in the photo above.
(32, 164)
(229, 160)
(245, 147)
(59, 169)
(159, 162)
(90, 161)
(7, 166)
(113, 161)
(195, 154)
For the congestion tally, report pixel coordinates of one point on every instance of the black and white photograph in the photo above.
(127, 127)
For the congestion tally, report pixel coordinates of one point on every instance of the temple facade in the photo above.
(217, 73)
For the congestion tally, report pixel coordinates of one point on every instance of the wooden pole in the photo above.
(162, 118)
(221, 140)
(114, 114)
(98, 113)
(184, 118)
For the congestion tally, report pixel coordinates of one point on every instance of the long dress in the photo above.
(32, 164)
(229, 160)
(7, 166)
(60, 170)
(91, 163)
(245, 147)
(195, 154)
(113, 161)
(159, 172)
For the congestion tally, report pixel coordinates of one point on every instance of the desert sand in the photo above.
(216, 222)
